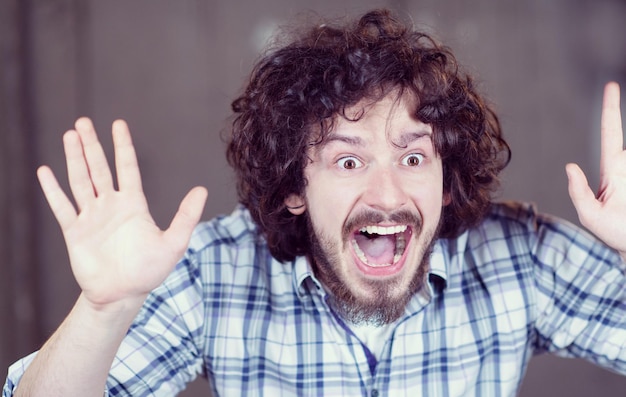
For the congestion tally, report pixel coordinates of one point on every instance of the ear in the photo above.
(295, 204)
(446, 199)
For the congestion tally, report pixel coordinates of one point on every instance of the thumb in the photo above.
(582, 196)
(187, 216)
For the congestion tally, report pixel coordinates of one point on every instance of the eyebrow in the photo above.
(351, 140)
(407, 138)
(403, 140)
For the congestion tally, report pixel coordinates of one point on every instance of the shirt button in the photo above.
(375, 393)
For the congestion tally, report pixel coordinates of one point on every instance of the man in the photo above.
(366, 257)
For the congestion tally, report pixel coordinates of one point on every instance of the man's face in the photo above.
(374, 198)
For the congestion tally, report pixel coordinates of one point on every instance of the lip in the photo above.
(383, 271)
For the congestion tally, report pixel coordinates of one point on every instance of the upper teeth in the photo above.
(383, 230)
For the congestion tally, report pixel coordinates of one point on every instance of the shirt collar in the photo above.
(438, 273)
(303, 277)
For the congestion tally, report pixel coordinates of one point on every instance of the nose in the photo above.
(384, 190)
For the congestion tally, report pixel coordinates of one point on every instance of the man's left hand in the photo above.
(604, 214)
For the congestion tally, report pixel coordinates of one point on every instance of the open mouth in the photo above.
(381, 246)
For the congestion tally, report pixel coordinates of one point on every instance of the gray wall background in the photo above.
(171, 68)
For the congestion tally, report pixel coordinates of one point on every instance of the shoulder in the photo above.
(229, 250)
(520, 233)
(235, 229)
(515, 232)
(513, 213)
(512, 219)
(220, 250)
(503, 222)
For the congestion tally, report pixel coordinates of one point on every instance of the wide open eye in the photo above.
(413, 159)
(349, 163)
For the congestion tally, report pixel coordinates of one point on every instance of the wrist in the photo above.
(113, 314)
(76, 360)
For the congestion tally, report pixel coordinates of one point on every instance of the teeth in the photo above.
(400, 243)
(382, 230)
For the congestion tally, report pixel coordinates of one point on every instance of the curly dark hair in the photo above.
(296, 92)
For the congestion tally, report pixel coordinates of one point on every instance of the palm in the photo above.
(116, 250)
(604, 214)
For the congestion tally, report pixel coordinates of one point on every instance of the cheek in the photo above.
(329, 195)
(328, 215)
(322, 206)
(428, 192)
(429, 201)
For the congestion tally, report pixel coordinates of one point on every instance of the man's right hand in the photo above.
(117, 252)
(118, 255)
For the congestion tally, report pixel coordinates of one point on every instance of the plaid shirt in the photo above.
(519, 284)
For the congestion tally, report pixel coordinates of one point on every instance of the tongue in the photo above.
(379, 250)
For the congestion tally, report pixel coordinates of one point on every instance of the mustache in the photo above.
(371, 217)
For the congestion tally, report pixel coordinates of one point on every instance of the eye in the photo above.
(349, 163)
(413, 159)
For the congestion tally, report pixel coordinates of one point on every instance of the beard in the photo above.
(388, 298)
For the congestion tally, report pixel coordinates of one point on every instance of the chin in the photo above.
(365, 299)
(388, 289)
(384, 303)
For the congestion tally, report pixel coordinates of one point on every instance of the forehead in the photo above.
(392, 118)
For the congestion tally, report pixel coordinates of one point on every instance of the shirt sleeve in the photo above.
(162, 351)
(15, 374)
(580, 295)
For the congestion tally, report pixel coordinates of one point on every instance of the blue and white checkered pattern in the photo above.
(517, 285)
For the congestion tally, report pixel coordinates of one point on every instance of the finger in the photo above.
(187, 217)
(610, 126)
(581, 194)
(128, 175)
(97, 164)
(77, 169)
(59, 203)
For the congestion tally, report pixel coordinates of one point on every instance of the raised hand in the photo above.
(116, 250)
(604, 214)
